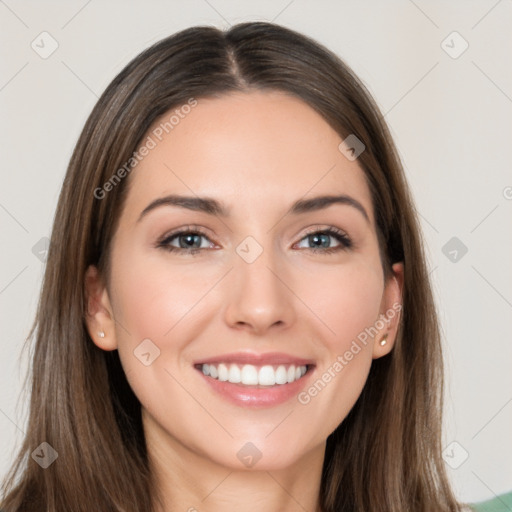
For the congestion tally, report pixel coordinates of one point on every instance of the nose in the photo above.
(259, 297)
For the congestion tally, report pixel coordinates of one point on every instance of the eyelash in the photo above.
(344, 241)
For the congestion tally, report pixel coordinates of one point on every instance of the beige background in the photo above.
(451, 119)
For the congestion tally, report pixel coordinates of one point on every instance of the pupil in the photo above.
(320, 240)
(190, 241)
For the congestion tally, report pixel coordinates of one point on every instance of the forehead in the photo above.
(256, 151)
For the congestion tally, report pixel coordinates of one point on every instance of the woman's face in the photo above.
(227, 262)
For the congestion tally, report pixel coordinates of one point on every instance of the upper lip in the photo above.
(269, 358)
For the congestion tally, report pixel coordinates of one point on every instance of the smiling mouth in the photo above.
(252, 375)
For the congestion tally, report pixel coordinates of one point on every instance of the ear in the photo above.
(390, 313)
(99, 316)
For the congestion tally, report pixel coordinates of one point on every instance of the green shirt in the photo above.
(502, 503)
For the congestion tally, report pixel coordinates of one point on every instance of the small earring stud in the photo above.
(383, 341)
(101, 334)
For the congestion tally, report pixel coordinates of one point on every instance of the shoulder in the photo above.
(501, 503)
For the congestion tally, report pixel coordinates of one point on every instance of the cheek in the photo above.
(153, 295)
(163, 302)
(347, 301)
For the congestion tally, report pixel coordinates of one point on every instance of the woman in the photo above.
(236, 309)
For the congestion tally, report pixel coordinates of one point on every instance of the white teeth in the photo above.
(267, 376)
(251, 375)
(234, 374)
(223, 372)
(281, 377)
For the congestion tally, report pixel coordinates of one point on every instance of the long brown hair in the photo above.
(386, 455)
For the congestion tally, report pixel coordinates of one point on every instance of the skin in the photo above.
(257, 153)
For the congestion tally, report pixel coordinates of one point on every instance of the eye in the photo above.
(186, 240)
(192, 240)
(323, 240)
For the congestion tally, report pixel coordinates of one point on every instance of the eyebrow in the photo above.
(213, 207)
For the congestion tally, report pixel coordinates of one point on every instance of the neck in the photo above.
(191, 482)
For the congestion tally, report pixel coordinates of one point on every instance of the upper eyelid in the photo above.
(315, 229)
(183, 230)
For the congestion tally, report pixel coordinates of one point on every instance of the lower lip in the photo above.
(258, 396)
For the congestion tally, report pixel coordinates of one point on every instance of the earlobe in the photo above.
(384, 340)
(98, 315)
(390, 314)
